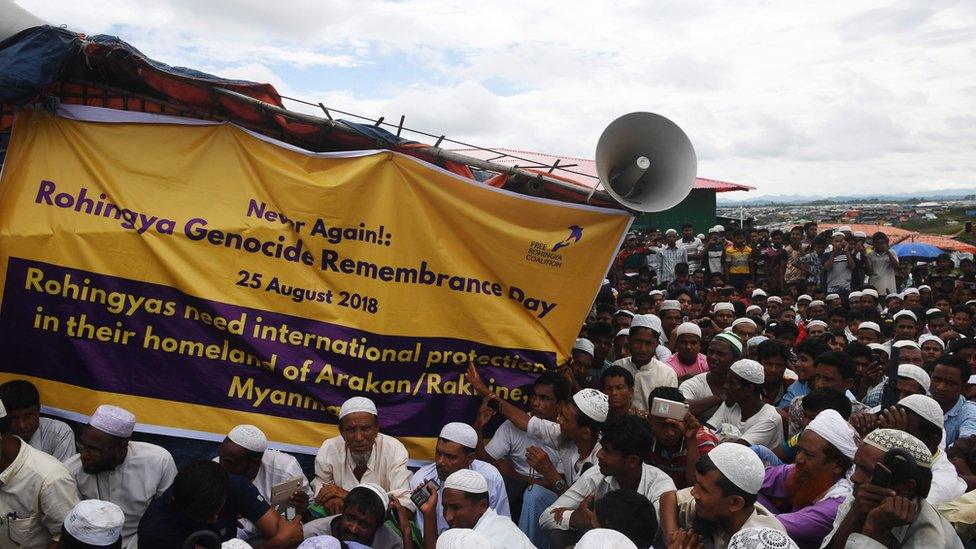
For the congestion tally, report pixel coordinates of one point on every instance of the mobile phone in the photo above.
(422, 493)
(662, 407)
(882, 476)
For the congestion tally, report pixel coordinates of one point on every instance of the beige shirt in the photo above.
(386, 467)
(54, 437)
(648, 377)
(40, 491)
(760, 518)
(765, 428)
(148, 470)
(501, 532)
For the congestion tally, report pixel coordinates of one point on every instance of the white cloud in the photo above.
(828, 95)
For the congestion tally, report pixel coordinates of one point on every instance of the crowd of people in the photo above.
(728, 392)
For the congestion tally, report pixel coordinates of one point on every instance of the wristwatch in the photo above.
(560, 485)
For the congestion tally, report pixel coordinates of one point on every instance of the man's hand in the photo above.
(333, 506)
(429, 508)
(864, 423)
(868, 497)
(474, 378)
(539, 460)
(873, 373)
(328, 492)
(299, 500)
(893, 512)
(485, 413)
(583, 517)
(686, 539)
(402, 513)
(894, 418)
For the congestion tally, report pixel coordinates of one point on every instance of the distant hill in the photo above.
(805, 198)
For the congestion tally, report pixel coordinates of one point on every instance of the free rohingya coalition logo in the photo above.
(541, 252)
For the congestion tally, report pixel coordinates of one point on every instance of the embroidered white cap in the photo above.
(113, 420)
(357, 404)
(95, 522)
(249, 437)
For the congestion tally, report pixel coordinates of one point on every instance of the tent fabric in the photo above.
(33, 58)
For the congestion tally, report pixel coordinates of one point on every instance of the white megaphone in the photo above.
(646, 162)
(14, 19)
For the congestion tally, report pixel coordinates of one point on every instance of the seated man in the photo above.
(834, 370)
(629, 513)
(723, 499)
(35, 485)
(649, 372)
(677, 444)
(744, 417)
(948, 381)
(360, 454)
(245, 452)
(455, 450)
(625, 441)
(204, 497)
(465, 504)
(805, 495)
(24, 410)
(92, 523)
(618, 385)
(896, 515)
(112, 468)
(363, 520)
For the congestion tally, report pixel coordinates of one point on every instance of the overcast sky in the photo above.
(830, 97)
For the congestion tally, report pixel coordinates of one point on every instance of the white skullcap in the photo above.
(886, 439)
(854, 294)
(720, 228)
(687, 328)
(844, 228)
(749, 370)
(753, 308)
(926, 407)
(790, 375)
(604, 538)
(817, 303)
(320, 542)
(605, 282)
(813, 323)
(755, 340)
(836, 430)
(647, 321)
(357, 404)
(912, 371)
(584, 345)
(670, 231)
(379, 491)
(670, 305)
(838, 233)
(906, 312)
(3, 411)
(655, 292)
(906, 343)
(113, 420)
(468, 481)
(804, 297)
(237, 543)
(910, 291)
(624, 312)
(892, 296)
(869, 326)
(929, 337)
(932, 311)
(743, 320)
(924, 287)
(831, 297)
(700, 236)
(869, 291)
(758, 292)
(774, 299)
(593, 403)
(723, 306)
(249, 437)
(462, 433)
(878, 347)
(95, 522)
(740, 465)
(624, 332)
(761, 538)
(462, 538)
(860, 234)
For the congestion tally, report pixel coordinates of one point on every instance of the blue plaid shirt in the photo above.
(960, 421)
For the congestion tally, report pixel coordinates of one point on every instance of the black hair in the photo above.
(605, 307)
(617, 371)
(199, 489)
(560, 385)
(681, 268)
(627, 434)
(786, 328)
(856, 349)
(962, 309)
(962, 343)
(642, 299)
(840, 360)
(5, 425)
(705, 465)
(367, 501)
(687, 226)
(667, 393)
(812, 347)
(19, 394)
(776, 232)
(824, 398)
(600, 329)
(773, 348)
(959, 363)
(855, 314)
(629, 513)
(837, 311)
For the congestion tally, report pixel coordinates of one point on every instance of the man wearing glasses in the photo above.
(112, 468)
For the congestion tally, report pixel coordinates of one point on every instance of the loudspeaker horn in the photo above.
(646, 162)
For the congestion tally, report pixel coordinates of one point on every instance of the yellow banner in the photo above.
(205, 276)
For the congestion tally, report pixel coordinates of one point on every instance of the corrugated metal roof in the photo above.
(577, 170)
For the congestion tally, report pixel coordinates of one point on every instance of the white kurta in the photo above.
(386, 467)
(501, 532)
(40, 492)
(148, 470)
(510, 442)
(54, 437)
(276, 467)
(571, 464)
(497, 496)
(946, 484)
(765, 428)
(648, 377)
